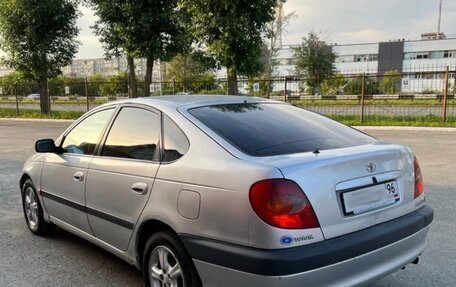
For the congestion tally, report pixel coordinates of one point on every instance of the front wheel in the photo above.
(166, 263)
(33, 211)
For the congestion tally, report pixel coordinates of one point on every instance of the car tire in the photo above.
(33, 211)
(164, 254)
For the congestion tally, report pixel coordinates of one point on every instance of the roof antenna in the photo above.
(316, 151)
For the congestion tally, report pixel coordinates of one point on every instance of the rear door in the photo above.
(121, 178)
(64, 175)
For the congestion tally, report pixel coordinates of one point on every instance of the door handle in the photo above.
(139, 187)
(78, 177)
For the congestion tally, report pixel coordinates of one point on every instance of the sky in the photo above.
(339, 21)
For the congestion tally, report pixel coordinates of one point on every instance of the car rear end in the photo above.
(348, 210)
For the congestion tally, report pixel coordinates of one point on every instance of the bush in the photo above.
(334, 86)
(371, 86)
(391, 83)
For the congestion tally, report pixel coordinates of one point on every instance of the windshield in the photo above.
(267, 129)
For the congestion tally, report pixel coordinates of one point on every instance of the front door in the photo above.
(120, 179)
(63, 177)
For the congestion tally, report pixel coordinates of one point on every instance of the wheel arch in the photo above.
(24, 177)
(146, 229)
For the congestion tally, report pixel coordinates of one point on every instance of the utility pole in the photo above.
(280, 16)
(440, 19)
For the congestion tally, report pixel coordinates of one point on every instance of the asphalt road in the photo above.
(65, 260)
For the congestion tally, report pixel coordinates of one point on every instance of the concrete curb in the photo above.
(36, 120)
(420, 129)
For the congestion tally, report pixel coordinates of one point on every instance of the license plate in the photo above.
(370, 198)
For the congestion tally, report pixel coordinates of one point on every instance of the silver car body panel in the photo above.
(323, 176)
(57, 179)
(110, 183)
(357, 271)
(214, 179)
(89, 237)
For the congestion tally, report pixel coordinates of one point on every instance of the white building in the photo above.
(423, 62)
(108, 67)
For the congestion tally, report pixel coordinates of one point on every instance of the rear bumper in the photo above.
(352, 259)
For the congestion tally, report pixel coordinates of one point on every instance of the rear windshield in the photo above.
(267, 129)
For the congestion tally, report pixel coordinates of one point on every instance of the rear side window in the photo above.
(175, 142)
(266, 129)
(135, 134)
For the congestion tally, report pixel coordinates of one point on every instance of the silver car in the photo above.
(230, 191)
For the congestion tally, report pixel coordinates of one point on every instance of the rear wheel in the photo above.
(166, 263)
(33, 211)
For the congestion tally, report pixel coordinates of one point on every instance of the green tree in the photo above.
(353, 87)
(263, 81)
(39, 38)
(391, 82)
(232, 32)
(191, 70)
(16, 83)
(155, 30)
(57, 86)
(314, 61)
(274, 32)
(334, 86)
(13, 78)
(115, 86)
(94, 85)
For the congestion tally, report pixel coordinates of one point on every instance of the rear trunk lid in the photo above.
(353, 188)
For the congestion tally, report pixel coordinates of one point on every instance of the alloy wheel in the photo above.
(31, 208)
(164, 268)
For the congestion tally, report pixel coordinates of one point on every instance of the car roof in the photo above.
(174, 102)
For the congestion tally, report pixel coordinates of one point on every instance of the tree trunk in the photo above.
(44, 93)
(148, 77)
(270, 54)
(132, 77)
(232, 82)
(185, 70)
(268, 80)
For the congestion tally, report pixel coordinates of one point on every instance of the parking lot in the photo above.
(65, 260)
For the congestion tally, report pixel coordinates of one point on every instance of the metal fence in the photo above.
(408, 95)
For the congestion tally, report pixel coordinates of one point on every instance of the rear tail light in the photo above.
(419, 183)
(282, 203)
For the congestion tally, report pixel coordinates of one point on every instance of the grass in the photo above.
(422, 121)
(402, 102)
(59, 102)
(34, 114)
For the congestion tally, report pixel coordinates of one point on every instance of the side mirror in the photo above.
(46, 145)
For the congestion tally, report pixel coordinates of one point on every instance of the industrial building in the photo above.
(422, 62)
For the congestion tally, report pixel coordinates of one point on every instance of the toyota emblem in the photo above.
(371, 167)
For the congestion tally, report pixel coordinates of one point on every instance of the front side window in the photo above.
(175, 142)
(135, 135)
(84, 137)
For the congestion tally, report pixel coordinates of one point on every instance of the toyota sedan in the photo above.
(230, 191)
